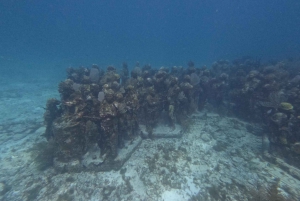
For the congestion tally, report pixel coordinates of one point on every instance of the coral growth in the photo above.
(107, 107)
(114, 105)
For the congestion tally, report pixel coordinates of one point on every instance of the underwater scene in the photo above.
(150, 100)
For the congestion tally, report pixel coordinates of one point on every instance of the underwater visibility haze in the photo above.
(150, 100)
(157, 32)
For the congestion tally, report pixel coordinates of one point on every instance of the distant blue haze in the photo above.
(57, 34)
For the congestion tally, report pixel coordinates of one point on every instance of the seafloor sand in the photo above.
(219, 159)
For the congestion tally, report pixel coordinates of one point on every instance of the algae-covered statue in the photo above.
(108, 112)
(106, 109)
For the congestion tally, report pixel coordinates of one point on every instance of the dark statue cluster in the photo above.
(107, 107)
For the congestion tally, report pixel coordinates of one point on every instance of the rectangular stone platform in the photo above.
(92, 161)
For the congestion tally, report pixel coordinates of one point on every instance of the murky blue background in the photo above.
(57, 34)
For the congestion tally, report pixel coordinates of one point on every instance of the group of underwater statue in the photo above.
(107, 107)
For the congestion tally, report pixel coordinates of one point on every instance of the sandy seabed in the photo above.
(220, 158)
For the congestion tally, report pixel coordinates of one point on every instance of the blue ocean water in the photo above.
(51, 34)
(220, 157)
